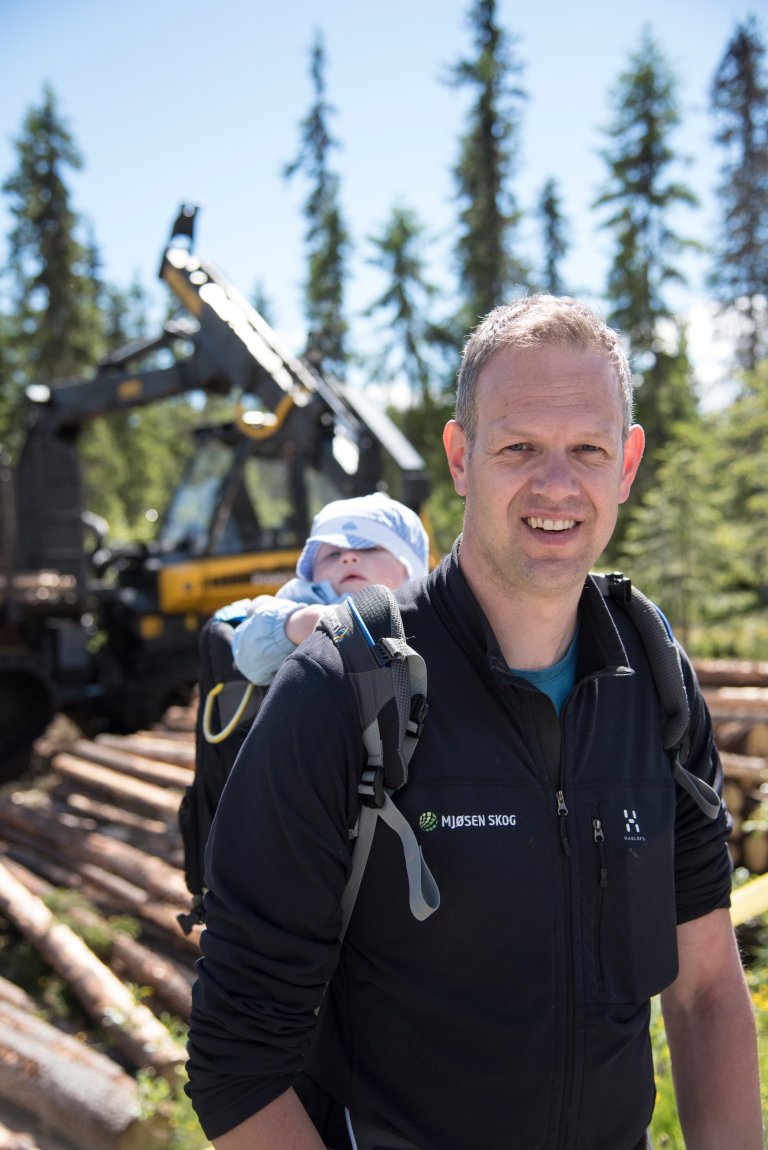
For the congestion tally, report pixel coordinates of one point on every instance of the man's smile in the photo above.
(541, 524)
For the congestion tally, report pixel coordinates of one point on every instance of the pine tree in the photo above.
(745, 433)
(679, 538)
(55, 324)
(554, 237)
(327, 239)
(642, 196)
(739, 103)
(405, 303)
(488, 271)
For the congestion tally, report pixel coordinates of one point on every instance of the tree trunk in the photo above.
(133, 1027)
(135, 794)
(180, 753)
(152, 875)
(127, 956)
(71, 1088)
(139, 766)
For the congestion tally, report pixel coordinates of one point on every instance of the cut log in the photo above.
(141, 966)
(16, 996)
(153, 875)
(757, 740)
(729, 704)
(70, 1088)
(134, 826)
(134, 793)
(152, 747)
(754, 850)
(731, 673)
(748, 770)
(114, 895)
(138, 766)
(127, 957)
(732, 736)
(134, 1028)
(180, 718)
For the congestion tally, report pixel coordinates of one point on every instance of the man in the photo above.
(576, 880)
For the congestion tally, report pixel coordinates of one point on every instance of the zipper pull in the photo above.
(597, 829)
(562, 812)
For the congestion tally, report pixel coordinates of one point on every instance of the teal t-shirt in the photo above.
(555, 681)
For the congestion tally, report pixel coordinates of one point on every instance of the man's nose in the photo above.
(554, 476)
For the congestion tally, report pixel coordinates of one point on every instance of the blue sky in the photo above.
(176, 100)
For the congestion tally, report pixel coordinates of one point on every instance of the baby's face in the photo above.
(348, 570)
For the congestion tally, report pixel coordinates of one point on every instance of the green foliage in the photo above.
(55, 327)
(423, 425)
(404, 304)
(665, 1128)
(554, 238)
(327, 238)
(488, 214)
(641, 197)
(678, 543)
(165, 1097)
(132, 464)
(739, 104)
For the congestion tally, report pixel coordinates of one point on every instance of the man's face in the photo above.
(348, 570)
(547, 470)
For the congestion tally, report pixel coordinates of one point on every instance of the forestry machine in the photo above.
(108, 634)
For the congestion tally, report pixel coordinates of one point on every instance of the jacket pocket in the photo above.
(628, 890)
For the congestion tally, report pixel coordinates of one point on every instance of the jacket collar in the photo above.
(601, 650)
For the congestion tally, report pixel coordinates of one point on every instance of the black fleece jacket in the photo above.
(515, 1017)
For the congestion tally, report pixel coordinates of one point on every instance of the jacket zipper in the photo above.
(568, 1069)
(599, 837)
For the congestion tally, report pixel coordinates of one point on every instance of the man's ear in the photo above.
(633, 453)
(456, 450)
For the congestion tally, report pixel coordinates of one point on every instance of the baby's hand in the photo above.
(301, 623)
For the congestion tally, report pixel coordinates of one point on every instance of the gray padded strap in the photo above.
(705, 796)
(423, 894)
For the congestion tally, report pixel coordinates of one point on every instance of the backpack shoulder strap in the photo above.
(664, 658)
(390, 682)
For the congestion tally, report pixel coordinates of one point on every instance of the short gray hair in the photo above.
(537, 321)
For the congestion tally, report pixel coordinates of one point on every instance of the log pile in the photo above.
(737, 697)
(102, 825)
(102, 828)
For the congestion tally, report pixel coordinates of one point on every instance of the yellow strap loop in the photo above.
(208, 710)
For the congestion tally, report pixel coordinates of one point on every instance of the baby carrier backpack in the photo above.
(390, 684)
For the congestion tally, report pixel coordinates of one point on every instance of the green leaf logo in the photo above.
(428, 821)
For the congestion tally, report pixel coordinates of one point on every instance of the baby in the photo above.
(354, 543)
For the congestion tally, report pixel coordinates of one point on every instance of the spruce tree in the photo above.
(327, 239)
(487, 267)
(679, 540)
(404, 303)
(55, 325)
(642, 194)
(554, 237)
(739, 104)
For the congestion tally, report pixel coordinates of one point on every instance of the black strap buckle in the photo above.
(371, 788)
(419, 709)
(619, 587)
